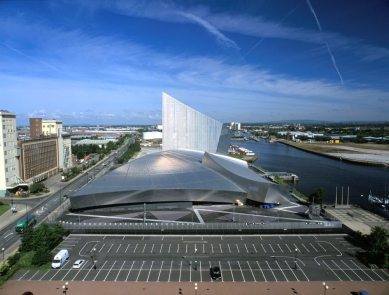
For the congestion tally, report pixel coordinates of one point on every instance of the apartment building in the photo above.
(10, 181)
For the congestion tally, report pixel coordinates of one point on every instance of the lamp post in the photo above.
(295, 258)
(60, 194)
(2, 249)
(195, 288)
(233, 212)
(94, 258)
(65, 288)
(325, 288)
(195, 267)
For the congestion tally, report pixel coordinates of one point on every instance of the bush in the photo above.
(41, 256)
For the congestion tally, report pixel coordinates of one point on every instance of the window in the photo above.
(5, 143)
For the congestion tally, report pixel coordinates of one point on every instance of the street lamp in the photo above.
(195, 288)
(3, 253)
(233, 212)
(65, 288)
(195, 267)
(94, 258)
(325, 288)
(295, 258)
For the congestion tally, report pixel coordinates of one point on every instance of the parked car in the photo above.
(216, 272)
(78, 263)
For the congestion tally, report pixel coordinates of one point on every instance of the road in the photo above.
(41, 207)
(268, 258)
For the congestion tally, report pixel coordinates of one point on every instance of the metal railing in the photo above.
(207, 228)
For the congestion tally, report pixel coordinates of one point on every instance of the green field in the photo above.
(4, 208)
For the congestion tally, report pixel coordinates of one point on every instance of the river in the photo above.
(316, 171)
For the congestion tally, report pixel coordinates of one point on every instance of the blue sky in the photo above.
(108, 62)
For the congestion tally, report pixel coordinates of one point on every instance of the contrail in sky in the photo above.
(328, 47)
(259, 42)
(21, 53)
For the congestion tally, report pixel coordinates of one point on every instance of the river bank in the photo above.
(364, 154)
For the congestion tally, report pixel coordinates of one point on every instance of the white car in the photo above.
(78, 263)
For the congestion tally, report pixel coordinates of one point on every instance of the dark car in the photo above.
(215, 272)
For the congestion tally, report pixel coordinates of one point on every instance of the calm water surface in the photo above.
(316, 171)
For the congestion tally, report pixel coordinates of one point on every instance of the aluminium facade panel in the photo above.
(184, 127)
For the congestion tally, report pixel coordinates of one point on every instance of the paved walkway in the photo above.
(211, 288)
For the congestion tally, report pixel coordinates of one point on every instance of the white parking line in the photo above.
(322, 247)
(169, 248)
(313, 247)
(130, 270)
(237, 247)
(292, 270)
(288, 247)
(178, 248)
(101, 248)
(282, 271)
(221, 251)
(186, 248)
(352, 270)
(118, 248)
(203, 249)
(305, 247)
(160, 271)
(280, 248)
(332, 270)
(190, 271)
(143, 251)
(271, 271)
(135, 248)
(261, 271)
(66, 274)
(210, 268)
(341, 270)
(254, 249)
(152, 249)
(127, 248)
(212, 248)
(139, 271)
(79, 271)
(179, 279)
(33, 275)
(43, 275)
(120, 271)
(201, 275)
(110, 248)
(109, 271)
(297, 248)
(231, 271)
(365, 272)
(87, 274)
(263, 248)
(98, 271)
(160, 250)
(271, 248)
(247, 250)
(244, 280)
(150, 271)
(23, 275)
(171, 264)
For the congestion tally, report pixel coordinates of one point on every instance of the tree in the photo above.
(317, 197)
(27, 240)
(378, 245)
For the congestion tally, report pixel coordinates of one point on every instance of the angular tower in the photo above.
(186, 128)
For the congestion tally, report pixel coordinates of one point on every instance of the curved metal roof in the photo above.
(171, 175)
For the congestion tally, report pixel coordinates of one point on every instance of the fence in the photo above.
(180, 228)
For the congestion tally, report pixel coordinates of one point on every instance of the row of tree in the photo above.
(82, 150)
(129, 153)
(34, 251)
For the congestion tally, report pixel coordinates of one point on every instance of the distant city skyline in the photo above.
(97, 62)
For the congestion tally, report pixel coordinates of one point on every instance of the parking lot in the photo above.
(189, 259)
